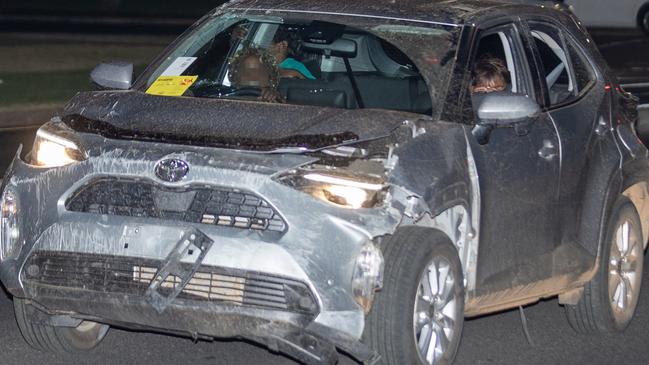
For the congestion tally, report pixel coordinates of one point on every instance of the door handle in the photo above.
(549, 151)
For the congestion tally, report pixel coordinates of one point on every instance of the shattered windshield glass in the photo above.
(301, 61)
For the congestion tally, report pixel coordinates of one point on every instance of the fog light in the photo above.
(368, 275)
(9, 231)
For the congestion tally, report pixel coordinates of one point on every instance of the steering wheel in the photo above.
(245, 91)
(213, 90)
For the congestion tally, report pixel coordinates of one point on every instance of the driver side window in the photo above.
(497, 66)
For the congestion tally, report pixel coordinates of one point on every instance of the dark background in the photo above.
(103, 8)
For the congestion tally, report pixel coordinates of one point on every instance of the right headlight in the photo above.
(51, 150)
(340, 188)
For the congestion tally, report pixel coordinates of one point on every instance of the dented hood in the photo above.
(225, 123)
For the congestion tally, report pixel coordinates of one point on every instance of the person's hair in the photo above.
(284, 34)
(491, 73)
(266, 59)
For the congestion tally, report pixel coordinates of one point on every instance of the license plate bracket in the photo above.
(194, 244)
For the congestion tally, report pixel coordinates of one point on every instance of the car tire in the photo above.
(610, 298)
(40, 336)
(403, 314)
(643, 19)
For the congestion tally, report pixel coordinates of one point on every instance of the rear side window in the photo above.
(553, 63)
(564, 68)
(584, 73)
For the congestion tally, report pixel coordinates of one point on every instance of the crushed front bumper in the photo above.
(287, 287)
(289, 333)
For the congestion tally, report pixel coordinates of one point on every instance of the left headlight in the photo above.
(342, 189)
(51, 150)
(9, 227)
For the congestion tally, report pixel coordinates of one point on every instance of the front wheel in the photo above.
(417, 317)
(610, 298)
(41, 336)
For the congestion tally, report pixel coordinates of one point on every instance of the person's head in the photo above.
(489, 74)
(252, 67)
(284, 44)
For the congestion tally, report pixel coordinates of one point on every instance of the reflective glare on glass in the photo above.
(435, 310)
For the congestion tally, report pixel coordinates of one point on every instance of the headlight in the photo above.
(368, 275)
(346, 190)
(9, 228)
(51, 150)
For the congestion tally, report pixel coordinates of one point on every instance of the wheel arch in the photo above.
(638, 194)
(454, 225)
(600, 193)
(434, 232)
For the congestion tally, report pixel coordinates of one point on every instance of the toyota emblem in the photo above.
(172, 170)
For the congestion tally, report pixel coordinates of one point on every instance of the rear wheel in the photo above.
(610, 299)
(417, 317)
(42, 336)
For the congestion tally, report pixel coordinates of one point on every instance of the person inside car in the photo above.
(285, 44)
(252, 69)
(489, 74)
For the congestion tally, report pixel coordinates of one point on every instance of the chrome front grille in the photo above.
(195, 204)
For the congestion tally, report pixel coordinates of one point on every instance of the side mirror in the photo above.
(113, 75)
(503, 109)
(506, 108)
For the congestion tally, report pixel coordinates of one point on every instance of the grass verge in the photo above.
(43, 87)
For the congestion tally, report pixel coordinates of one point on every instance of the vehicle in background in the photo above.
(612, 14)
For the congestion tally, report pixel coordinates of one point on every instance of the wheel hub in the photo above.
(435, 311)
(624, 271)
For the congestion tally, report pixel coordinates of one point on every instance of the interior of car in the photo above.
(351, 68)
(555, 61)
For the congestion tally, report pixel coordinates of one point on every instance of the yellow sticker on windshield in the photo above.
(171, 85)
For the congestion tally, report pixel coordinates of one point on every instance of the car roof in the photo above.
(452, 12)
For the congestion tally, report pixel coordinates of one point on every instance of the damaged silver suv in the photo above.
(326, 178)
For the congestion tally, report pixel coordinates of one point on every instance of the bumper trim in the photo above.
(287, 333)
(132, 276)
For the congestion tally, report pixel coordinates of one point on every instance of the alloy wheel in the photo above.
(435, 311)
(625, 270)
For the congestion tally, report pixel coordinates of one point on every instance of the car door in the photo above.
(519, 174)
(578, 101)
